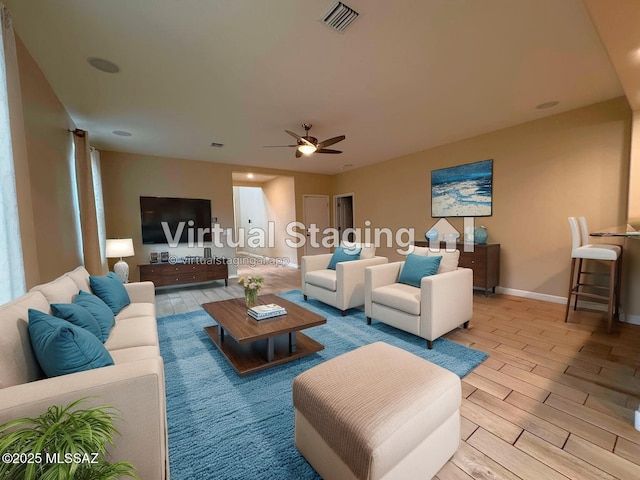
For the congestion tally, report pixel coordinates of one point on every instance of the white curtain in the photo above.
(97, 190)
(11, 263)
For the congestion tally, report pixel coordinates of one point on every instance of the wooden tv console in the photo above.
(192, 271)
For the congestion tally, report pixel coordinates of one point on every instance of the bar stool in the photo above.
(582, 250)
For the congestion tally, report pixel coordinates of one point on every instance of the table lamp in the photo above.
(118, 248)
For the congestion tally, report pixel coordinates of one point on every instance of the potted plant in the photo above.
(62, 443)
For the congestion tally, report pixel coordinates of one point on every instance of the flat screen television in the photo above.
(155, 210)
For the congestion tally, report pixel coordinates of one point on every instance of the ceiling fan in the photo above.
(307, 144)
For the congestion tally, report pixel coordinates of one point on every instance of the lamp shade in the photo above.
(119, 247)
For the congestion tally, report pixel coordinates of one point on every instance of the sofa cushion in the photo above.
(133, 354)
(133, 332)
(100, 311)
(400, 296)
(344, 254)
(367, 250)
(62, 347)
(111, 291)
(449, 262)
(416, 267)
(322, 278)
(137, 310)
(81, 278)
(78, 315)
(17, 360)
(60, 290)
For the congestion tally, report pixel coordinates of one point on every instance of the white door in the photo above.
(315, 215)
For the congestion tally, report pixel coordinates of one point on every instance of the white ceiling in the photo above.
(407, 75)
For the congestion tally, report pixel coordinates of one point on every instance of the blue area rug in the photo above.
(223, 426)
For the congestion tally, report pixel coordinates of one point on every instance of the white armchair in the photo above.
(443, 302)
(342, 288)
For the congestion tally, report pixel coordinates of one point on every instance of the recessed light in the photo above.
(103, 65)
(249, 175)
(121, 133)
(550, 104)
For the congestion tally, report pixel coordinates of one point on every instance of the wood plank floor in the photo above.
(554, 400)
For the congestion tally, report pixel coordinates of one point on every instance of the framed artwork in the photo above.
(462, 191)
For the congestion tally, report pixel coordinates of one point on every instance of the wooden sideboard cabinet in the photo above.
(484, 261)
(193, 271)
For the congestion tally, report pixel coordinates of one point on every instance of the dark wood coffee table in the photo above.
(251, 345)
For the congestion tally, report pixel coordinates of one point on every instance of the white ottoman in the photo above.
(377, 412)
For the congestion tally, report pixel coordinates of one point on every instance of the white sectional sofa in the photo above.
(134, 385)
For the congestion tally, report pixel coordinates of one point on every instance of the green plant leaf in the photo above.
(63, 430)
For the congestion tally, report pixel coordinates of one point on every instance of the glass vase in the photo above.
(251, 298)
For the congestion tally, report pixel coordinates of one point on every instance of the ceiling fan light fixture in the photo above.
(307, 149)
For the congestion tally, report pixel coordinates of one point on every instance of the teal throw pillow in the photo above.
(343, 254)
(100, 311)
(111, 291)
(62, 347)
(78, 315)
(418, 266)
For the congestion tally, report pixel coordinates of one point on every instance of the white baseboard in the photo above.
(632, 319)
(532, 295)
(626, 318)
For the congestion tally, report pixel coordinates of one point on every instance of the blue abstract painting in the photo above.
(462, 191)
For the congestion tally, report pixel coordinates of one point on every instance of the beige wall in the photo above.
(575, 163)
(280, 199)
(125, 177)
(21, 169)
(49, 185)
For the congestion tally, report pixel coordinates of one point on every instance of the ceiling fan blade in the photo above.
(298, 153)
(331, 141)
(327, 150)
(277, 146)
(299, 138)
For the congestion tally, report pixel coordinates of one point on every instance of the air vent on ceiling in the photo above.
(339, 17)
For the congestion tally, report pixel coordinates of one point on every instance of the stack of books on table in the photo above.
(260, 312)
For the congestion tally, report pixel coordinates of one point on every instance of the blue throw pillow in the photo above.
(62, 347)
(111, 291)
(78, 315)
(100, 311)
(418, 266)
(343, 254)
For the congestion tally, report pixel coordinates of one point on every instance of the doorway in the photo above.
(264, 205)
(343, 213)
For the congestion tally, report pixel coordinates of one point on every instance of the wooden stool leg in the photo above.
(618, 283)
(575, 301)
(573, 267)
(612, 294)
